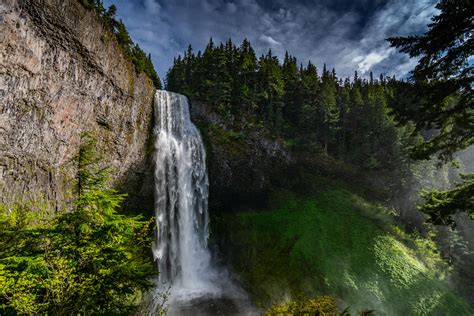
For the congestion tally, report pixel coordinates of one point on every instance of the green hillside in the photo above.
(335, 242)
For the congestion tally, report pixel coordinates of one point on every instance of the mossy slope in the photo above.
(335, 243)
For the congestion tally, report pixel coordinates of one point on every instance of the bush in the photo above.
(319, 306)
(324, 305)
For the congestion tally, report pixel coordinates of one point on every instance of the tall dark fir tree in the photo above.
(439, 99)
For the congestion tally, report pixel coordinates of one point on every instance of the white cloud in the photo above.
(364, 64)
(346, 39)
(269, 40)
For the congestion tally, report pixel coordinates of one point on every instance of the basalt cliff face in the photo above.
(244, 167)
(62, 73)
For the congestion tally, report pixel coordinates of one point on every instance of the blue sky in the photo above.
(347, 35)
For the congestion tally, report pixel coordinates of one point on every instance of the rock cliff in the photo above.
(62, 73)
(244, 167)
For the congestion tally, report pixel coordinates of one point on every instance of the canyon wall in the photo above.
(62, 73)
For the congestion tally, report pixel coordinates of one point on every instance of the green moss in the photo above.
(216, 138)
(397, 262)
(232, 142)
(204, 131)
(334, 243)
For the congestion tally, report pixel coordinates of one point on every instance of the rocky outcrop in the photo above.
(62, 73)
(244, 167)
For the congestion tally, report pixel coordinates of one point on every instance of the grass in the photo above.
(334, 243)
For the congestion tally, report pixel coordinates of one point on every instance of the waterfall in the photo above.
(197, 287)
(181, 188)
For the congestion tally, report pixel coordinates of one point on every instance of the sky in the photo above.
(348, 35)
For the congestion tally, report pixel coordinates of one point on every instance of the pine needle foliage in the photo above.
(439, 99)
(89, 260)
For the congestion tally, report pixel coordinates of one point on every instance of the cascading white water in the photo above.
(181, 188)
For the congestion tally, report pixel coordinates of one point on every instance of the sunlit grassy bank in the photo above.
(334, 242)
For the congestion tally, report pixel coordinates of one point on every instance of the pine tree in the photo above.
(247, 76)
(309, 121)
(344, 112)
(123, 38)
(292, 80)
(329, 108)
(87, 260)
(440, 97)
(272, 88)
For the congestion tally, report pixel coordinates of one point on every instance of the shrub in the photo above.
(324, 305)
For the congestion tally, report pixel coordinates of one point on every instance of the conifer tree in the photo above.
(246, 70)
(329, 108)
(440, 97)
(272, 85)
(292, 80)
(87, 260)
